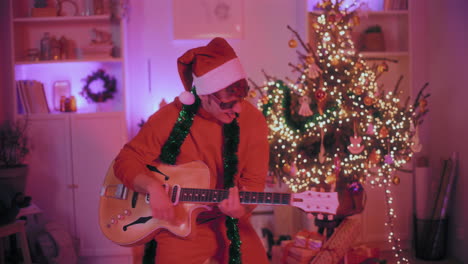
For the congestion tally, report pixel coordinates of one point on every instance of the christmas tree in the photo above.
(334, 124)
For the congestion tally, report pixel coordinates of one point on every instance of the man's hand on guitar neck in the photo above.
(232, 206)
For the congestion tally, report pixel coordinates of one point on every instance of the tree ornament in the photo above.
(370, 129)
(304, 109)
(383, 67)
(293, 170)
(331, 18)
(355, 187)
(355, 147)
(321, 156)
(335, 61)
(292, 43)
(422, 105)
(359, 66)
(368, 101)
(330, 179)
(388, 159)
(265, 100)
(396, 180)
(383, 133)
(286, 168)
(320, 95)
(309, 59)
(374, 157)
(337, 164)
(358, 90)
(252, 94)
(314, 71)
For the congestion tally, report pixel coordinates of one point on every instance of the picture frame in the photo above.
(205, 19)
(67, 8)
(60, 88)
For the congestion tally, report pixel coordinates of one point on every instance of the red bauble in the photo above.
(320, 95)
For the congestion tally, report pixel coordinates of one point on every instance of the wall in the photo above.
(5, 66)
(447, 44)
(152, 51)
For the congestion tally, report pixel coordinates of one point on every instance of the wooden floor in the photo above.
(387, 255)
(384, 255)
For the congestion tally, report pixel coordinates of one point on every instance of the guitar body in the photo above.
(125, 216)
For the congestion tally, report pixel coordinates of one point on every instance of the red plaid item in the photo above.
(359, 254)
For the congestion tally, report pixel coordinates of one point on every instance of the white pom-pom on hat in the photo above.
(187, 98)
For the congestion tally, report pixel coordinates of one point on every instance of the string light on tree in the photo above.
(332, 122)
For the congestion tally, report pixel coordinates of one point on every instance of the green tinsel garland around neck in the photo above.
(171, 148)
(231, 143)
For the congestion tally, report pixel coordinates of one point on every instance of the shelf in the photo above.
(388, 13)
(374, 13)
(63, 19)
(90, 59)
(384, 53)
(58, 115)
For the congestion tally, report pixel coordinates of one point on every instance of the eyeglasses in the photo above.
(226, 105)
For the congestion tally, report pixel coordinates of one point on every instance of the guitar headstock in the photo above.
(316, 202)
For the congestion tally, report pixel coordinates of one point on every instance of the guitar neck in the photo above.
(216, 196)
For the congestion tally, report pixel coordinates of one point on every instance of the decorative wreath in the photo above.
(109, 87)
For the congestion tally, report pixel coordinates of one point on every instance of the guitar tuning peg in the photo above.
(332, 187)
(310, 216)
(330, 217)
(322, 189)
(320, 216)
(314, 189)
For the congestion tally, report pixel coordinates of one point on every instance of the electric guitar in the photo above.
(125, 216)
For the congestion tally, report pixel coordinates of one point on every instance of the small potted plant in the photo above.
(13, 170)
(13, 150)
(373, 39)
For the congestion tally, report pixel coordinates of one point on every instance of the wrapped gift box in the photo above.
(288, 253)
(308, 239)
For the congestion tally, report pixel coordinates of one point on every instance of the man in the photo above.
(218, 127)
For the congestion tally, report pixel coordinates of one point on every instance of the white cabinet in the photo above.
(95, 140)
(70, 155)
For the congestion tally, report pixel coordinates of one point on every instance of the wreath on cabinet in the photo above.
(108, 91)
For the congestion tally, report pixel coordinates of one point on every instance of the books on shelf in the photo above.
(32, 97)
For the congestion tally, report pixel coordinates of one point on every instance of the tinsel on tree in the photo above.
(333, 122)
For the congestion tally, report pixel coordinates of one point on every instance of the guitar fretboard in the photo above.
(216, 196)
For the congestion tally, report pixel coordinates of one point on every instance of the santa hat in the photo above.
(209, 68)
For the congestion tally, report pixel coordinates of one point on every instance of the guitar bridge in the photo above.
(116, 191)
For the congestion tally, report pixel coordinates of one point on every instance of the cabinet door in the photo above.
(49, 181)
(96, 140)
